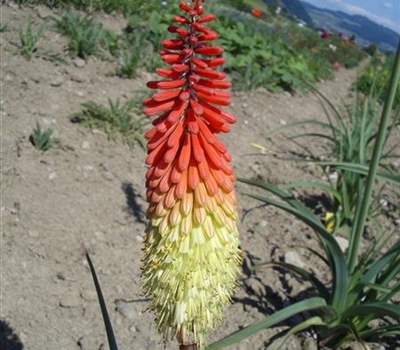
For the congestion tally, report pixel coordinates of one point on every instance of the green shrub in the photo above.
(83, 33)
(28, 39)
(374, 78)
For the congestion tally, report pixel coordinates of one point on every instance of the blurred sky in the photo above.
(385, 12)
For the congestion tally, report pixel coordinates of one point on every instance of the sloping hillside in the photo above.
(366, 31)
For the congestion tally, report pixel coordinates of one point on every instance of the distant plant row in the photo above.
(271, 52)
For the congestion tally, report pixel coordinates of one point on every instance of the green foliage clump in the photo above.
(83, 33)
(352, 135)
(4, 27)
(127, 7)
(117, 118)
(375, 77)
(255, 60)
(41, 139)
(28, 39)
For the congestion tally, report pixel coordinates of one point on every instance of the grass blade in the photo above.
(107, 323)
(363, 170)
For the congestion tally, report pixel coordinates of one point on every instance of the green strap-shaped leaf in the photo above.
(377, 309)
(269, 321)
(312, 321)
(363, 170)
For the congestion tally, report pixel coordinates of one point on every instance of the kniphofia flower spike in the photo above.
(192, 258)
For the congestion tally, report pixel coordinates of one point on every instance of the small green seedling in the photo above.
(41, 139)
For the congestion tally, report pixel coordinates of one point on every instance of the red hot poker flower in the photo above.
(192, 258)
(256, 13)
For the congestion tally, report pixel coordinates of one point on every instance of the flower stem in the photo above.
(361, 218)
(188, 347)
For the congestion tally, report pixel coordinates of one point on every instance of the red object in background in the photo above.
(256, 13)
(337, 66)
(325, 34)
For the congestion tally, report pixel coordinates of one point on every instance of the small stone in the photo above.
(69, 302)
(89, 295)
(79, 78)
(52, 176)
(309, 344)
(57, 81)
(263, 223)
(334, 176)
(292, 257)
(139, 239)
(23, 337)
(79, 62)
(133, 329)
(283, 122)
(87, 168)
(85, 145)
(45, 13)
(61, 276)
(100, 235)
(126, 310)
(33, 233)
(343, 243)
(107, 175)
(48, 121)
(255, 286)
(79, 93)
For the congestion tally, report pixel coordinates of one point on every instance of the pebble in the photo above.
(334, 176)
(283, 122)
(79, 62)
(292, 257)
(133, 329)
(69, 302)
(263, 223)
(139, 239)
(78, 78)
(100, 235)
(87, 168)
(45, 13)
(79, 93)
(107, 175)
(52, 176)
(309, 344)
(23, 337)
(61, 276)
(48, 121)
(58, 81)
(85, 145)
(126, 310)
(343, 243)
(255, 286)
(89, 295)
(33, 233)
